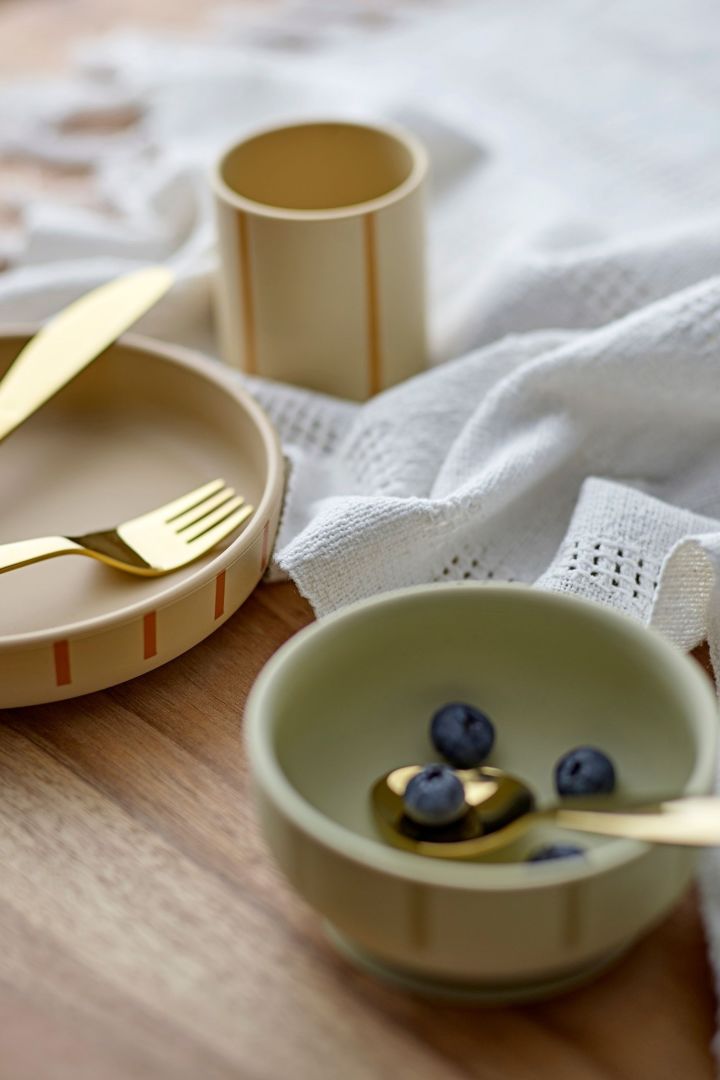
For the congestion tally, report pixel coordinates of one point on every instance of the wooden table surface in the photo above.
(145, 934)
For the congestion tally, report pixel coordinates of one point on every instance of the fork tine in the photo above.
(186, 502)
(214, 517)
(181, 522)
(212, 536)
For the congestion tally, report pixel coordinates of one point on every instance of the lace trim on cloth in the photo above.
(625, 548)
(609, 571)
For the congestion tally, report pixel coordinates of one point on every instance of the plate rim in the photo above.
(215, 371)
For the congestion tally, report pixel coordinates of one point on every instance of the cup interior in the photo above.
(356, 695)
(318, 166)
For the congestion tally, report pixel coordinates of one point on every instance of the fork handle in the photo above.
(24, 552)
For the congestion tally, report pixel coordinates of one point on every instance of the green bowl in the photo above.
(351, 697)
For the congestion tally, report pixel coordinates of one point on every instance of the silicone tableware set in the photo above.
(141, 438)
(320, 229)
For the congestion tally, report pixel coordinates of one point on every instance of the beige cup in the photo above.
(322, 248)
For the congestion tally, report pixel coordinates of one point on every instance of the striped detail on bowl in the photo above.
(218, 599)
(61, 660)
(265, 549)
(150, 635)
(220, 594)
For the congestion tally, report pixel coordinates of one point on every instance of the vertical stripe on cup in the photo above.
(373, 305)
(150, 635)
(61, 657)
(248, 305)
(220, 594)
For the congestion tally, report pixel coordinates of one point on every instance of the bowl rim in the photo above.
(212, 371)
(376, 856)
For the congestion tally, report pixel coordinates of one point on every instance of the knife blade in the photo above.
(73, 339)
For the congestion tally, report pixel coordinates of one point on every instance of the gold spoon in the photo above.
(500, 808)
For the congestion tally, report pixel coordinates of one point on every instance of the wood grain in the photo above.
(144, 933)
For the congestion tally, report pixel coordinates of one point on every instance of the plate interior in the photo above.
(133, 431)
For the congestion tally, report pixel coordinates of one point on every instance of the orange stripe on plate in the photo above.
(373, 305)
(61, 656)
(265, 553)
(150, 635)
(248, 305)
(220, 594)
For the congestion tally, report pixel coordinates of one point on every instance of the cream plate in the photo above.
(143, 424)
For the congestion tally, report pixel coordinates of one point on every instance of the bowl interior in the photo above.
(356, 695)
(133, 431)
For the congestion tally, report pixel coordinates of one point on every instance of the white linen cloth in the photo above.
(575, 258)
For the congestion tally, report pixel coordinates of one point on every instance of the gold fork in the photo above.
(150, 545)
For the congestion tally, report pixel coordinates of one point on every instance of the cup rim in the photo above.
(418, 153)
(377, 857)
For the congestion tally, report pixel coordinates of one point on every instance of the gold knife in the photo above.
(73, 339)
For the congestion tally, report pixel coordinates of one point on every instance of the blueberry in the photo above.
(555, 851)
(585, 771)
(462, 734)
(435, 796)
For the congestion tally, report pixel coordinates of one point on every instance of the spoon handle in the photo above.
(693, 821)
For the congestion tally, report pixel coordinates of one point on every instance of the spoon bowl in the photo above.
(495, 801)
(501, 807)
